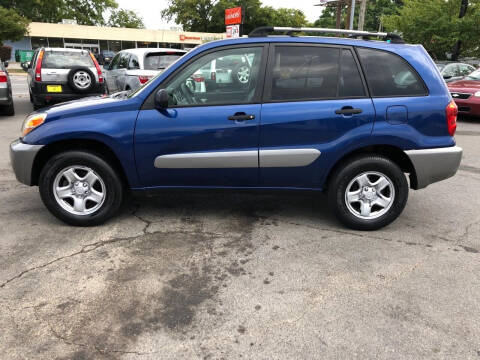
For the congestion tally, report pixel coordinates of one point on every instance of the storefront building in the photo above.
(97, 38)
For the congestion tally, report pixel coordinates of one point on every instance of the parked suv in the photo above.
(344, 116)
(130, 69)
(58, 74)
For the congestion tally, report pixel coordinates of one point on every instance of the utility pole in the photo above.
(339, 13)
(361, 16)
(352, 14)
(458, 44)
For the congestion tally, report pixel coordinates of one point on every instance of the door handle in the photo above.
(348, 110)
(241, 116)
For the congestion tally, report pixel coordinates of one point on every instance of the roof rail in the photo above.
(265, 30)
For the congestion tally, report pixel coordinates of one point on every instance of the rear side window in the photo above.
(66, 59)
(160, 61)
(389, 75)
(305, 73)
(351, 84)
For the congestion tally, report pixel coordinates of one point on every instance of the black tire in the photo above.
(113, 194)
(10, 110)
(348, 171)
(74, 86)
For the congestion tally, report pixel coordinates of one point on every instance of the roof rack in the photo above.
(265, 30)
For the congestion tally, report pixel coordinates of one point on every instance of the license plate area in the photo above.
(54, 88)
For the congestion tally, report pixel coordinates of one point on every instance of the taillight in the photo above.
(198, 78)
(38, 68)
(452, 112)
(3, 77)
(143, 79)
(99, 71)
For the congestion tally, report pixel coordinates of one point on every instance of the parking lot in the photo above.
(230, 276)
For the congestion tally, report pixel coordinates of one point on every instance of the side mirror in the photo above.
(25, 65)
(5, 63)
(446, 77)
(106, 66)
(161, 99)
(107, 62)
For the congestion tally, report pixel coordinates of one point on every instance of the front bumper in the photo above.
(22, 157)
(432, 165)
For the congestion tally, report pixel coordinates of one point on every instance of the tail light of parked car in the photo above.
(38, 68)
(99, 71)
(452, 112)
(198, 78)
(143, 79)
(3, 77)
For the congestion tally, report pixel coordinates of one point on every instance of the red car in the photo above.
(466, 94)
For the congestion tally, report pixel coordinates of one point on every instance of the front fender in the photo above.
(115, 130)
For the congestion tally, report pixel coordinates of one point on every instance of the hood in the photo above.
(98, 104)
(467, 86)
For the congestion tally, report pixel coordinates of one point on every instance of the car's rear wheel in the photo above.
(80, 188)
(368, 192)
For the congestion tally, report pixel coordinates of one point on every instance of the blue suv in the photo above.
(346, 116)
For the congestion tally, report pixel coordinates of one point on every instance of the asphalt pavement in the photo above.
(240, 276)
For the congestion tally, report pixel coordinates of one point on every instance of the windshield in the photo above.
(160, 61)
(66, 59)
(473, 76)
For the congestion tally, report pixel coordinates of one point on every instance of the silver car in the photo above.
(132, 68)
(6, 99)
(454, 71)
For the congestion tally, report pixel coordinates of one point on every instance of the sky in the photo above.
(149, 10)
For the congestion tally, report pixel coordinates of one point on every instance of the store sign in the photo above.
(185, 37)
(233, 31)
(233, 16)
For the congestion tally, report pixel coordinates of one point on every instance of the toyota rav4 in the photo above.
(346, 116)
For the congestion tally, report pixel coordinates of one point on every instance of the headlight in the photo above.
(477, 94)
(33, 121)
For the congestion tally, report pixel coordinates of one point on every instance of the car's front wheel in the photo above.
(80, 188)
(368, 192)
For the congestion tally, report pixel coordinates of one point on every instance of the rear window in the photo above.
(314, 73)
(305, 73)
(389, 75)
(66, 59)
(160, 61)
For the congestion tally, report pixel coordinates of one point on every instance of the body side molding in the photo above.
(238, 159)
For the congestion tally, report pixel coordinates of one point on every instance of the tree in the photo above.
(209, 15)
(436, 25)
(85, 12)
(125, 19)
(12, 26)
(373, 14)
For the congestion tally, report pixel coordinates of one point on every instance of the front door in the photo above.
(209, 134)
(314, 98)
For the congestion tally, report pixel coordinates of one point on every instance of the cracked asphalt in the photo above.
(241, 276)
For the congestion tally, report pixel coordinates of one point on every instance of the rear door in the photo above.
(315, 97)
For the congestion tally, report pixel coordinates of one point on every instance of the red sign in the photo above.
(233, 16)
(184, 37)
